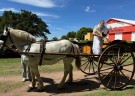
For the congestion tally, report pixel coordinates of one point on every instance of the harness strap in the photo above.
(72, 48)
(42, 53)
(10, 38)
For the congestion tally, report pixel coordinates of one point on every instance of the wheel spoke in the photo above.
(127, 65)
(84, 59)
(90, 67)
(121, 58)
(84, 63)
(95, 64)
(119, 75)
(112, 60)
(115, 80)
(118, 55)
(108, 74)
(127, 70)
(106, 69)
(123, 74)
(115, 59)
(110, 78)
(109, 64)
(86, 66)
(125, 60)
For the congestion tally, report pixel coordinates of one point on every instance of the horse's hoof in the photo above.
(69, 82)
(31, 89)
(40, 90)
(61, 87)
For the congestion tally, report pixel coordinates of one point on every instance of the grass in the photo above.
(128, 92)
(12, 66)
(52, 68)
(8, 86)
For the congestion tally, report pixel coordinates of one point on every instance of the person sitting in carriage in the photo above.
(100, 31)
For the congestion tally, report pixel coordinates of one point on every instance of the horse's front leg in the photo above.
(35, 71)
(33, 81)
(40, 84)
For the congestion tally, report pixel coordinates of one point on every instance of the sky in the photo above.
(63, 16)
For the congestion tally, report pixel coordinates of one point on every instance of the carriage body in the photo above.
(115, 66)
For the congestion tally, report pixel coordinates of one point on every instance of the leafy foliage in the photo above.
(79, 34)
(54, 38)
(83, 31)
(71, 34)
(24, 20)
(64, 37)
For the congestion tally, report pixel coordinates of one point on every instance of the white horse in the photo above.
(27, 43)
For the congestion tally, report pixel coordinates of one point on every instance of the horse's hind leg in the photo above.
(70, 79)
(67, 69)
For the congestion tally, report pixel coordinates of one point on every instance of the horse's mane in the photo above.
(22, 35)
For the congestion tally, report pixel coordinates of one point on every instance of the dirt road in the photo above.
(81, 85)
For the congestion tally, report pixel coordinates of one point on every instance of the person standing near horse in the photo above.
(100, 31)
(24, 67)
(26, 74)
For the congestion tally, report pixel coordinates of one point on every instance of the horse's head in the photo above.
(3, 38)
(16, 37)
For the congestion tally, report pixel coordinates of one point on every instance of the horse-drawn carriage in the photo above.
(115, 66)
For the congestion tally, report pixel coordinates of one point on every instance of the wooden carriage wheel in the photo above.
(116, 66)
(88, 65)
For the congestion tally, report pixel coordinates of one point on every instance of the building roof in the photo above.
(132, 22)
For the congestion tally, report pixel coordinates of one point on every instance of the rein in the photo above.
(6, 37)
(10, 38)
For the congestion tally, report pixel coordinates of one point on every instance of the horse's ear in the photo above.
(5, 30)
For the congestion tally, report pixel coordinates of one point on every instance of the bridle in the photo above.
(4, 38)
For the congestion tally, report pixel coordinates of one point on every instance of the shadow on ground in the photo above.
(81, 85)
(131, 84)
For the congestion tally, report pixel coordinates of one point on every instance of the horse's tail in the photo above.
(78, 62)
(77, 57)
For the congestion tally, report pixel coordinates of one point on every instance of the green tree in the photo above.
(24, 20)
(64, 37)
(55, 38)
(83, 31)
(71, 34)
